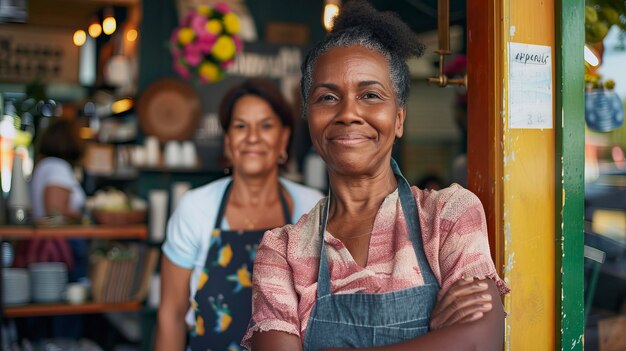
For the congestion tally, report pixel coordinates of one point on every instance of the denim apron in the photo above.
(223, 299)
(368, 320)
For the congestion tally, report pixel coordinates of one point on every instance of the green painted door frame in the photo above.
(570, 141)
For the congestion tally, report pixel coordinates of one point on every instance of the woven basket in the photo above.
(119, 218)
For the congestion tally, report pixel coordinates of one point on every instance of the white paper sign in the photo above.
(530, 86)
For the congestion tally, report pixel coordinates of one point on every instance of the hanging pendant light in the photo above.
(95, 29)
(80, 37)
(331, 10)
(131, 35)
(109, 25)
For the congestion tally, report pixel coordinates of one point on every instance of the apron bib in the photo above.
(223, 299)
(368, 320)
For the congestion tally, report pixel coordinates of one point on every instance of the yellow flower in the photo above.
(214, 26)
(231, 23)
(204, 10)
(186, 35)
(199, 325)
(224, 48)
(209, 71)
(204, 277)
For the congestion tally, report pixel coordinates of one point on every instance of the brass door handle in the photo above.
(443, 28)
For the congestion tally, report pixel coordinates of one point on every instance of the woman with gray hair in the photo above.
(378, 265)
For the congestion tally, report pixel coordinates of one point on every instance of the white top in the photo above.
(189, 228)
(53, 171)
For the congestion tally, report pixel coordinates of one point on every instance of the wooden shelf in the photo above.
(58, 309)
(76, 231)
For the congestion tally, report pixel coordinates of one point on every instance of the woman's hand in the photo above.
(465, 301)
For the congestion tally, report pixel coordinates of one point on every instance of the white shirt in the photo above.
(189, 228)
(53, 171)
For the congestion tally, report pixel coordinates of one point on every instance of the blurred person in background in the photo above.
(58, 198)
(57, 194)
(213, 235)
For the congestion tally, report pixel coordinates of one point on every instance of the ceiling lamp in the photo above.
(109, 25)
(131, 35)
(80, 37)
(95, 29)
(331, 10)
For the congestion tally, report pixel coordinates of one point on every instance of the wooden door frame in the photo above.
(485, 151)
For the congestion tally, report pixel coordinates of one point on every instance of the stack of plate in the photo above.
(7, 254)
(48, 281)
(15, 286)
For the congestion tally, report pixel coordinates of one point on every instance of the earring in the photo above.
(283, 157)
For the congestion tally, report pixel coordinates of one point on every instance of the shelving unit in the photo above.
(75, 231)
(139, 232)
(31, 310)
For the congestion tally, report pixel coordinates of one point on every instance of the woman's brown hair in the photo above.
(61, 139)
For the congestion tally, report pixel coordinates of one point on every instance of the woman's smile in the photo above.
(349, 139)
(253, 153)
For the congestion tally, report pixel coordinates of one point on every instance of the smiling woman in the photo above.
(257, 122)
(379, 265)
(356, 85)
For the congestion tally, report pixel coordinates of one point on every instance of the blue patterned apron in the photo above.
(223, 300)
(368, 320)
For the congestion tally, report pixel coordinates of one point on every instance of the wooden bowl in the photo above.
(119, 218)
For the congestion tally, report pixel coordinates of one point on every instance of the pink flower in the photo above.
(181, 70)
(174, 37)
(226, 64)
(188, 18)
(238, 42)
(192, 54)
(222, 7)
(176, 53)
(197, 23)
(205, 42)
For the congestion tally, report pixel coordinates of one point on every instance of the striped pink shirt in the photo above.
(454, 233)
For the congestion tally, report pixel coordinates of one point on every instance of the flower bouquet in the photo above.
(205, 43)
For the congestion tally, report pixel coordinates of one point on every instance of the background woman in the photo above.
(56, 192)
(55, 189)
(366, 267)
(214, 233)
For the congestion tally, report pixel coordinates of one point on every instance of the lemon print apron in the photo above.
(223, 300)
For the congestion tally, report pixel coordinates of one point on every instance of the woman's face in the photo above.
(354, 117)
(256, 137)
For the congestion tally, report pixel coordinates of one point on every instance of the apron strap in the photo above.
(222, 209)
(411, 215)
(323, 272)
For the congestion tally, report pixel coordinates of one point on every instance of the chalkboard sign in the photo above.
(28, 53)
